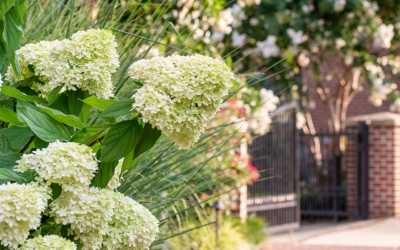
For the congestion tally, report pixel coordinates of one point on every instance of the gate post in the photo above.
(362, 170)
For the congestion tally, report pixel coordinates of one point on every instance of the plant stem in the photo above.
(27, 145)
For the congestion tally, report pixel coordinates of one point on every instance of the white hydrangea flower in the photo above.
(254, 21)
(395, 107)
(86, 61)
(48, 242)
(303, 60)
(115, 181)
(132, 226)
(260, 121)
(370, 8)
(34, 57)
(268, 47)
(224, 20)
(295, 36)
(181, 94)
(88, 215)
(339, 43)
(383, 37)
(20, 210)
(339, 5)
(68, 164)
(237, 39)
(238, 15)
(1, 82)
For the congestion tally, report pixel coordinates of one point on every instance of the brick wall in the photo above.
(360, 105)
(384, 164)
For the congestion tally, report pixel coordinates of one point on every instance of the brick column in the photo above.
(384, 162)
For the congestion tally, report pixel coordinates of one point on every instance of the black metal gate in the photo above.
(275, 195)
(334, 174)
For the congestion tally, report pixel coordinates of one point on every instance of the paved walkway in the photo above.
(378, 234)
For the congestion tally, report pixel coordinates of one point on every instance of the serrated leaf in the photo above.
(45, 127)
(121, 107)
(13, 92)
(7, 175)
(5, 144)
(18, 135)
(85, 111)
(70, 120)
(13, 31)
(55, 191)
(104, 174)
(5, 6)
(80, 136)
(9, 116)
(98, 103)
(9, 160)
(61, 103)
(120, 140)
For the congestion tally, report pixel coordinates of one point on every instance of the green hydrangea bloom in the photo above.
(20, 210)
(181, 94)
(132, 226)
(49, 242)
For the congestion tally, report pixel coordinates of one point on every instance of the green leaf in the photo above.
(9, 116)
(91, 138)
(104, 175)
(61, 103)
(54, 94)
(39, 143)
(120, 140)
(15, 64)
(9, 160)
(70, 120)
(2, 52)
(13, 30)
(121, 107)
(74, 101)
(55, 191)
(80, 136)
(85, 111)
(5, 144)
(5, 6)
(98, 103)
(46, 128)
(147, 140)
(13, 92)
(7, 175)
(18, 135)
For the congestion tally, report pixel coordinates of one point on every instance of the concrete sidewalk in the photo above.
(382, 234)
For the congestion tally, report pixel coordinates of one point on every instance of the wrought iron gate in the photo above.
(334, 174)
(275, 196)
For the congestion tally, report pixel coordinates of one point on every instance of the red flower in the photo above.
(254, 173)
(232, 101)
(249, 164)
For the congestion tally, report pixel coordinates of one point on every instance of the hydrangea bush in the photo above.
(64, 146)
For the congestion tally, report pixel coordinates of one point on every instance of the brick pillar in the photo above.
(384, 163)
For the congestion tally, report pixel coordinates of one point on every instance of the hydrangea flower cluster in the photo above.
(88, 215)
(86, 61)
(115, 182)
(70, 165)
(20, 210)
(49, 242)
(35, 62)
(181, 94)
(132, 226)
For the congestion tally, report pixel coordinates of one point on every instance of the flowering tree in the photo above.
(64, 145)
(354, 39)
